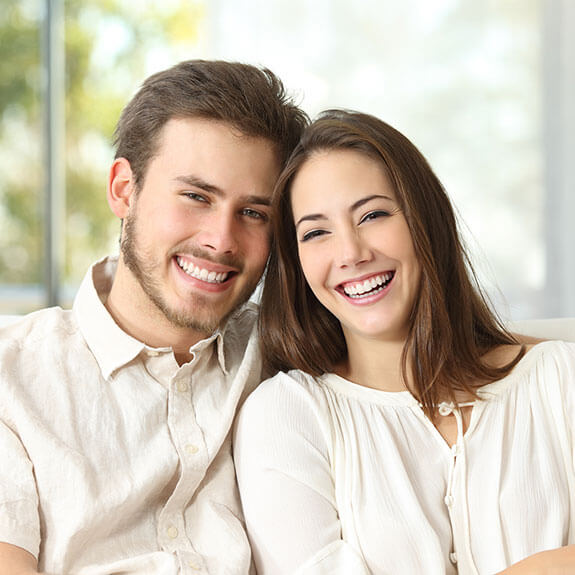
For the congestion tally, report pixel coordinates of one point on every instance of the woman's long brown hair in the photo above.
(451, 324)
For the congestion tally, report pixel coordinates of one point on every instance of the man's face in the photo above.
(196, 236)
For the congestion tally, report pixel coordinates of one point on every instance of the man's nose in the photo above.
(220, 233)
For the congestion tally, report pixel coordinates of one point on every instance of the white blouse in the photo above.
(342, 479)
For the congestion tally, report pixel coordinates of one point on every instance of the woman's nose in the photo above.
(351, 249)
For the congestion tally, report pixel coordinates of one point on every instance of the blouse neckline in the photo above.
(348, 388)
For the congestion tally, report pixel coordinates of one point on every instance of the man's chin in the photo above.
(192, 322)
(195, 318)
(198, 313)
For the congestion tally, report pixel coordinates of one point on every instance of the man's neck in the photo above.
(139, 317)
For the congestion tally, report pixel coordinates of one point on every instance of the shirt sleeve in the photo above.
(286, 485)
(565, 399)
(19, 520)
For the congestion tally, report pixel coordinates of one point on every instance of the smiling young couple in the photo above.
(413, 434)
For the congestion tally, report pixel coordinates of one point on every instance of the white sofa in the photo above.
(558, 328)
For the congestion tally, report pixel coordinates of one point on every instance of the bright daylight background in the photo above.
(485, 88)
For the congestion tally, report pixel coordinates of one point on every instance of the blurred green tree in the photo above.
(110, 47)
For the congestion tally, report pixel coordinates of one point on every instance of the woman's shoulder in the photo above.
(287, 405)
(284, 393)
(503, 355)
(555, 355)
(285, 383)
(552, 352)
(542, 363)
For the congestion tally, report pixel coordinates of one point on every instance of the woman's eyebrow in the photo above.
(310, 218)
(367, 199)
(356, 205)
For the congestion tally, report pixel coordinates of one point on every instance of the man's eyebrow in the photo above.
(199, 183)
(195, 182)
(356, 205)
(258, 200)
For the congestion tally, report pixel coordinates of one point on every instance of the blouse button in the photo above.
(445, 409)
(453, 557)
(182, 386)
(448, 500)
(173, 532)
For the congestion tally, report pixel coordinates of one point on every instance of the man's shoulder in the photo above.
(244, 318)
(241, 326)
(39, 328)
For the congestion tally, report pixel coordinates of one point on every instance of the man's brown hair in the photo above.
(251, 99)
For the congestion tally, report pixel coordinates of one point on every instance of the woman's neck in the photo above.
(374, 364)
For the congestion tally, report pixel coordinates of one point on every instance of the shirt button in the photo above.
(194, 565)
(192, 449)
(172, 532)
(453, 557)
(448, 500)
(153, 352)
(182, 386)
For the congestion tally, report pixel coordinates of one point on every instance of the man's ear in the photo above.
(121, 187)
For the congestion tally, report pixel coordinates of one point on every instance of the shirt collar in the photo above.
(113, 347)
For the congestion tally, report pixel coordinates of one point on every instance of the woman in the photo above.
(413, 434)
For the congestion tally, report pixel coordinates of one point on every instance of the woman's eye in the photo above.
(312, 234)
(373, 215)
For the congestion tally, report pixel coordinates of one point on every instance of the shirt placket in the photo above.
(456, 497)
(192, 451)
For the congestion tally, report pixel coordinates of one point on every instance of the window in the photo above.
(67, 68)
(484, 89)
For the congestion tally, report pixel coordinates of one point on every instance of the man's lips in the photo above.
(366, 287)
(203, 274)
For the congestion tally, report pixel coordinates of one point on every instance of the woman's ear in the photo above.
(121, 187)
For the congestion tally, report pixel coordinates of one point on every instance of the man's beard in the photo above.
(200, 317)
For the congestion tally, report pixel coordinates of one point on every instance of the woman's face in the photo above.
(354, 244)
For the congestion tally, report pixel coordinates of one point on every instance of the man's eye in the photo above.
(250, 213)
(374, 215)
(195, 196)
(312, 234)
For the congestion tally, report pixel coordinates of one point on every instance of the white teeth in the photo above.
(201, 273)
(376, 282)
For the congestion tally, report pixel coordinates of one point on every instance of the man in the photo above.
(115, 416)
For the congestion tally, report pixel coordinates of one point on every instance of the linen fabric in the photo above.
(339, 478)
(114, 458)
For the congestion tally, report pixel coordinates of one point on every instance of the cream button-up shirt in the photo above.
(114, 458)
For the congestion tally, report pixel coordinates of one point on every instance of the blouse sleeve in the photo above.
(283, 466)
